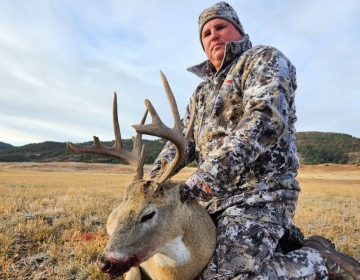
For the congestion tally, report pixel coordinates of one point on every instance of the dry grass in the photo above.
(44, 214)
(52, 216)
(329, 205)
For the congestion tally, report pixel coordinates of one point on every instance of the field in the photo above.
(53, 215)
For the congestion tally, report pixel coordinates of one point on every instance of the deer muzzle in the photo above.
(116, 267)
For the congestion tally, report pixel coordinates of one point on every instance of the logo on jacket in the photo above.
(228, 83)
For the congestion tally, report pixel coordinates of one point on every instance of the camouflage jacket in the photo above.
(243, 138)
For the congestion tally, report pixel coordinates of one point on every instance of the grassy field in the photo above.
(53, 215)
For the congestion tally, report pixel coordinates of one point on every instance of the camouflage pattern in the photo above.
(243, 141)
(220, 10)
(245, 250)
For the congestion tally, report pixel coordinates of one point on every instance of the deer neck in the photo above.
(172, 254)
(179, 251)
(190, 248)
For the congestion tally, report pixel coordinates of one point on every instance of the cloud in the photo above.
(61, 61)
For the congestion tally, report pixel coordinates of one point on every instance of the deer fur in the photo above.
(152, 229)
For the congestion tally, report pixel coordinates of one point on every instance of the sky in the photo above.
(62, 61)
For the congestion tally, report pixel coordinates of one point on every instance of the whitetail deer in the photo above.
(152, 234)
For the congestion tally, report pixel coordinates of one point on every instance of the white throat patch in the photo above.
(172, 253)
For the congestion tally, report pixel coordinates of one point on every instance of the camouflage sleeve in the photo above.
(268, 84)
(169, 151)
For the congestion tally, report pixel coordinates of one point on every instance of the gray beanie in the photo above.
(220, 10)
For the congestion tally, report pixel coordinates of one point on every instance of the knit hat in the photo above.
(220, 10)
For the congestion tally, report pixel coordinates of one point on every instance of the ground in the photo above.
(53, 215)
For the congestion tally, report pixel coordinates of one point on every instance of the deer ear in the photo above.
(152, 188)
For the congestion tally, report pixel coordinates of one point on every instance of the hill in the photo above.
(57, 151)
(313, 148)
(321, 147)
(5, 146)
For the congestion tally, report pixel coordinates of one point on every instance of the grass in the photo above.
(329, 205)
(43, 216)
(52, 216)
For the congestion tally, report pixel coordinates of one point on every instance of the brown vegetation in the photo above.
(52, 215)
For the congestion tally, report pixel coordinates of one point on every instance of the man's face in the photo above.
(214, 35)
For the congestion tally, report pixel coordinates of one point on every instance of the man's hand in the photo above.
(184, 193)
(153, 174)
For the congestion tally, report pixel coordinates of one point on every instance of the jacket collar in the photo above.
(206, 70)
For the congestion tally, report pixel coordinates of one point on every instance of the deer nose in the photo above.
(105, 265)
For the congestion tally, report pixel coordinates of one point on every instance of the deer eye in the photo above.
(147, 217)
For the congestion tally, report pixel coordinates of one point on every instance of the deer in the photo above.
(152, 234)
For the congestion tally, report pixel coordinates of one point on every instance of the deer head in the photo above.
(149, 207)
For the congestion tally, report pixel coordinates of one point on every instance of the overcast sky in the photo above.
(61, 62)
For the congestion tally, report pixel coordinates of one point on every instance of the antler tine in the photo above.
(135, 158)
(139, 149)
(172, 101)
(175, 135)
(117, 133)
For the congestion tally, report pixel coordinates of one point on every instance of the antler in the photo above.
(135, 158)
(175, 135)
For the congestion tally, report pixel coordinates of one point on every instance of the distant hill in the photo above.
(5, 146)
(57, 151)
(327, 147)
(313, 148)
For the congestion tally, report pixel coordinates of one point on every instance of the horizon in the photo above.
(152, 138)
